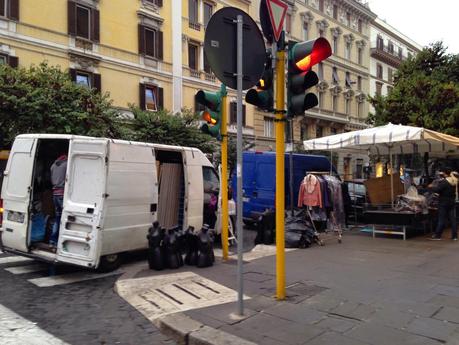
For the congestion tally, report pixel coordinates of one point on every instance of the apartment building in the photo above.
(389, 48)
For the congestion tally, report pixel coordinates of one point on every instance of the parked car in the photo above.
(358, 195)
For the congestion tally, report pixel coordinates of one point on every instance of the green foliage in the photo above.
(43, 99)
(170, 129)
(425, 93)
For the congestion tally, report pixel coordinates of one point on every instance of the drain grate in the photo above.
(161, 295)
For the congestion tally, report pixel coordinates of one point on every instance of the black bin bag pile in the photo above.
(166, 248)
(299, 231)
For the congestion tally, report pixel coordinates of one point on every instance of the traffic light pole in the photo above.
(280, 172)
(224, 177)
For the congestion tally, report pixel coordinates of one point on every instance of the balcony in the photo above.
(382, 52)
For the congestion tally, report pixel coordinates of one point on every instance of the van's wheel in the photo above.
(109, 263)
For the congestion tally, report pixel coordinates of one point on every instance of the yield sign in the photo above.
(277, 10)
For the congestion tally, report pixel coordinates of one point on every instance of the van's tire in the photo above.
(109, 263)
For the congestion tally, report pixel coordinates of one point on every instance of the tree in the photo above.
(43, 99)
(171, 129)
(425, 93)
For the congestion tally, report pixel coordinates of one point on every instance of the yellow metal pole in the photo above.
(224, 177)
(280, 178)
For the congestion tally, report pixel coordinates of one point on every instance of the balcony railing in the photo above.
(383, 53)
(194, 25)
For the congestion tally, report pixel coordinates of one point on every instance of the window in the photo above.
(9, 9)
(83, 22)
(319, 131)
(85, 78)
(347, 106)
(410, 54)
(359, 55)
(380, 42)
(360, 25)
(3, 59)
(193, 56)
(13, 61)
(347, 51)
(379, 71)
(333, 131)
(335, 11)
(156, 2)
(389, 75)
(400, 52)
(378, 88)
(233, 113)
(390, 47)
(335, 76)
(335, 103)
(348, 19)
(321, 33)
(150, 42)
(305, 31)
(304, 132)
(208, 10)
(268, 127)
(359, 83)
(193, 14)
(359, 109)
(321, 71)
(348, 80)
(321, 5)
(320, 96)
(288, 23)
(335, 45)
(389, 89)
(151, 97)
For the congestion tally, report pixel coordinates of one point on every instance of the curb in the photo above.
(186, 331)
(180, 327)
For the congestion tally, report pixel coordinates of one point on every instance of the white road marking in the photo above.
(70, 278)
(15, 330)
(257, 252)
(157, 296)
(13, 259)
(27, 269)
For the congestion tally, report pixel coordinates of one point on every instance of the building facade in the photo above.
(389, 48)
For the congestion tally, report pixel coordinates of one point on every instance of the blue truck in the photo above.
(259, 180)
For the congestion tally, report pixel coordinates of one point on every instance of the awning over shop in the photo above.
(393, 139)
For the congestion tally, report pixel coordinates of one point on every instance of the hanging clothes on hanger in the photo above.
(310, 192)
(337, 219)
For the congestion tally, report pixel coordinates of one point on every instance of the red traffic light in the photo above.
(309, 53)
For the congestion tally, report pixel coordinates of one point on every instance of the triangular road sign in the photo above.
(277, 10)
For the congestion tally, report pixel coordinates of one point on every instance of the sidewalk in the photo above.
(363, 291)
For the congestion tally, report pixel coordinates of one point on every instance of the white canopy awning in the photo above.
(395, 139)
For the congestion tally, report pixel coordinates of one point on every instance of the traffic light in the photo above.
(301, 57)
(262, 96)
(212, 102)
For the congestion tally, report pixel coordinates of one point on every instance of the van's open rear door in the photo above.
(16, 191)
(82, 216)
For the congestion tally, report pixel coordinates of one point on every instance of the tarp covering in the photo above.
(396, 139)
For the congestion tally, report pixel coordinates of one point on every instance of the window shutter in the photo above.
(95, 34)
(13, 12)
(96, 82)
(160, 98)
(141, 39)
(73, 74)
(142, 96)
(159, 43)
(159, 3)
(233, 112)
(13, 61)
(71, 18)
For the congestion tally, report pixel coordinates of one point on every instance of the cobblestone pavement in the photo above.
(82, 313)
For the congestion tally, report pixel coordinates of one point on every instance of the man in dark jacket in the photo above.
(58, 171)
(446, 189)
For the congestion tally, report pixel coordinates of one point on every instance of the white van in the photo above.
(114, 190)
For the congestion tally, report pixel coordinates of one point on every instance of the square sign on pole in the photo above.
(277, 10)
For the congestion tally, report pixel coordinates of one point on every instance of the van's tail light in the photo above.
(1, 212)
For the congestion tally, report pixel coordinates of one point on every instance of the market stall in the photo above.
(388, 140)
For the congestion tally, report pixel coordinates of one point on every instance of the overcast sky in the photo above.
(421, 20)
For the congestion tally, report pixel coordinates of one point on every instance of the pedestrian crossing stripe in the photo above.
(13, 259)
(70, 278)
(27, 269)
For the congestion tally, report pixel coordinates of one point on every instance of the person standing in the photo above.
(446, 189)
(58, 171)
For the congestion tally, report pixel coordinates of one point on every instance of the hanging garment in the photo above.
(310, 193)
(337, 217)
(326, 203)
